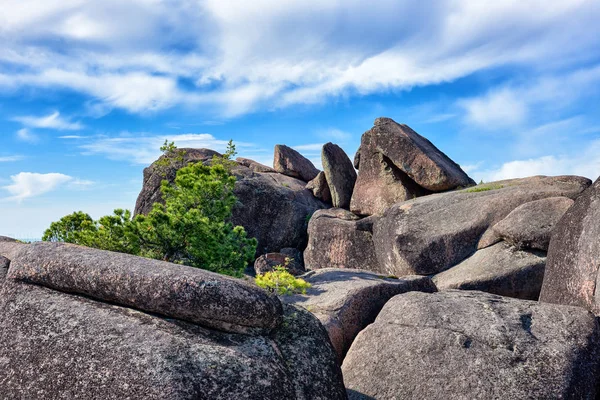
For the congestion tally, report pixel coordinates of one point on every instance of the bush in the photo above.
(280, 281)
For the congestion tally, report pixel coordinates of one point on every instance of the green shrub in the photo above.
(484, 188)
(280, 281)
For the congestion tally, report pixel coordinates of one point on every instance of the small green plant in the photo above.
(171, 155)
(226, 160)
(280, 281)
(484, 188)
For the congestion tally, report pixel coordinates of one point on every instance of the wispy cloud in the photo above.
(29, 184)
(309, 147)
(11, 158)
(26, 135)
(71, 137)
(51, 121)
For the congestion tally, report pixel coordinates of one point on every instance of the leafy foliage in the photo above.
(191, 228)
(280, 281)
(484, 188)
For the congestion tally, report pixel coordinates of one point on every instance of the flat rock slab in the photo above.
(55, 345)
(474, 345)
(530, 225)
(500, 269)
(574, 255)
(340, 174)
(339, 239)
(432, 233)
(174, 291)
(289, 162)
(346, 301)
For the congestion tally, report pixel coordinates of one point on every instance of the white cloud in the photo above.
(496, 110)
(11, 158)
(29, 184)
(310, 147)
(26, 135)
(51, 121)
(71, 137)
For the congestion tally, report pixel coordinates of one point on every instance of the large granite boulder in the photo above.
(430, 234)
(346, 301)
(397, 164)
(339, 239)
(500, 269)
(273, 208)
(83, 323)
(574, 255)
(340, 174)
(528, 226)
(320, 188)
(289, 162)
(474, 345)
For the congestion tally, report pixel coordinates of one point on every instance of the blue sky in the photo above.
(89, 89)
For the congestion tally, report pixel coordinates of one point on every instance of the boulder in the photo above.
(433, 233)
(267, 262)
(346, 301)
(398, 164)
(289, 162)
(356, 161)
(4, 264)
(500, 269)
(572, 266)
(114, 330)
(320, 188)
(474, 345)
(254, 166)
(528, 226)
(340, 174)
(294, 254)
(339, 239)
(273, 208)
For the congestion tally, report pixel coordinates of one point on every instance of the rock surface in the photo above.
(398, 164)
(254, 166)
(60, 345)
(4, 264)
(346, 301)
(267, 262)
(430, 234)
(500, 269)
(289, 162)
(320, 188)
(528, 226)
(574, 253)
(339, 173)
(474, 345)
(339, 239)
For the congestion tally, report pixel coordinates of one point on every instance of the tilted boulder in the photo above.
(320, 188)
(346, 301)
(289, 162)
(573, 255)
(474, 345)
(339, 239)
(340, 174)
(79, 322)
(273, 208)
(500, 269)
(254, 166)
(528, 226)
(430, 234)
(398, 164)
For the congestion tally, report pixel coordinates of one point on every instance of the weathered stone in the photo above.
(430, 234)
(267, 263)
(294, 254)
(9, 248)
(55, 345)
(171, 290)
(289, 162)
(254, 166)
(528, 226)
(500, 269)
(398, 164)
(574, 253)
(340, 174)
(320, 188)
(474, 345)
(346, 301)
(339, 239)
(357, 159)
(4, 264)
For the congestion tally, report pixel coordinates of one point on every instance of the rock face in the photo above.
(254, 166)
(430, 234)
(289, 162)
(61, 345)
(500, 269)
(398, 164)
(340, 174)
(320, 188)
(340, 239)
(267, 262)
(272, 207)
(4, 264)
(474, 345)
(574, 254)
(346, 301)
(530, 225)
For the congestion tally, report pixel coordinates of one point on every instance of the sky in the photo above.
(90, 89)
